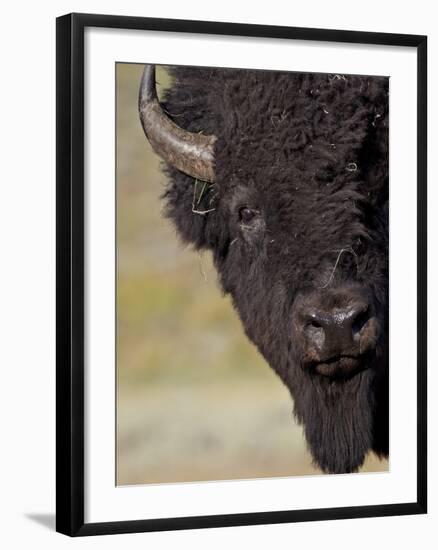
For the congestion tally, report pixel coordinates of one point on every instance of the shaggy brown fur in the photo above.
(308, 155)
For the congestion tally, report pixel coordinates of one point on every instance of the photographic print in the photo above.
(252, 273)
(241, 274)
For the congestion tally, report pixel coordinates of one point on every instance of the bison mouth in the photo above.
(340, 366)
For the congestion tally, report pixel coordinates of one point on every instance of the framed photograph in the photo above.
(241, 274)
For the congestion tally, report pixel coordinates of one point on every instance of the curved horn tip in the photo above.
(148, 91)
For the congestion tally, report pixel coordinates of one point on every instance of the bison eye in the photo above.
(247, 214)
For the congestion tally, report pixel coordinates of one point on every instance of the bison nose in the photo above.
(337, 331)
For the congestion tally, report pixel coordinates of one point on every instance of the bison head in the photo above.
(284, 177)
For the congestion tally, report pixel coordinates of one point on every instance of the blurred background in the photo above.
(195, 400)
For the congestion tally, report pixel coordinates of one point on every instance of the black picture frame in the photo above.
(70, 273)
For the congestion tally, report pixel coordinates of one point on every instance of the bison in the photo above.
(284, 178)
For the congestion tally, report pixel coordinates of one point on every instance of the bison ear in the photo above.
(191, 204)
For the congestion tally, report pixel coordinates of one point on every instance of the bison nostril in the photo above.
(314, 332)
(360, 321)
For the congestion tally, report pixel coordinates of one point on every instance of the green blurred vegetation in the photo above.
(195, 400)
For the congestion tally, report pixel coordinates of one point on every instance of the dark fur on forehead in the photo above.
(311, 129)
(309, 152)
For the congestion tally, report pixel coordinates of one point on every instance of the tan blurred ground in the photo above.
(195, 401)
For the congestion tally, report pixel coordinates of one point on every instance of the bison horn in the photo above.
(189, 152)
